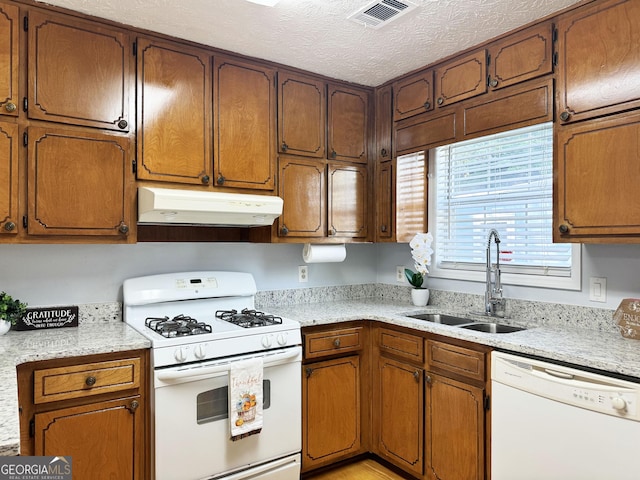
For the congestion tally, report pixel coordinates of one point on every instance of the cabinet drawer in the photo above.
(335, 341)
(442, 357)
(401, 344)
(61, 383)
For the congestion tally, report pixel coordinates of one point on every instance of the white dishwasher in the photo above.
(552, 422)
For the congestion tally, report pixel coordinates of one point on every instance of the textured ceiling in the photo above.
(315, 35)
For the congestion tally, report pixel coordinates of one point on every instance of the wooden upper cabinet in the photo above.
(461, 78)
(302, 185)
(384, 123)
(347, 124)
(522, 56)
(79, 72)
(79, 183)
(302, 115)
(9, 55)
(245, 125)
(8, 179)
(413, 95)
(347, 200)
(599, 54)
(174, 113)
(385, 202)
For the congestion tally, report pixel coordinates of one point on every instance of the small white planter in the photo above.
(420, 296)
(5, 326)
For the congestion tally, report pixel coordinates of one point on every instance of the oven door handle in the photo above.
(269, 358)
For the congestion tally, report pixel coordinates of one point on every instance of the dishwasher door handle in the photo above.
(555, 373)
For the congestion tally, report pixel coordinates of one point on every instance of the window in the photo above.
(502, 181)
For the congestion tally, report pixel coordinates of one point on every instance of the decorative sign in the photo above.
(627, 316)
(50, 317)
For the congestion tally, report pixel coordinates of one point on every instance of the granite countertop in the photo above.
(29, 346)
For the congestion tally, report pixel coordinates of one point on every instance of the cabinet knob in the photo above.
(9, 226)
(336, 343)
(416, 375)
(133, 406)
(563, 228)
(383, 228)
(333, 154)
(440, 101)
(284, 230)
(427, 378)
(205, 179)
(384, 152)
(284, 147)
(308, 371)
(332, 231)
(427, 105)
(220, 180)
(124, 229)
(122, 124)
(493, 82)
(90, 381)
(564, 116)
(10, 107)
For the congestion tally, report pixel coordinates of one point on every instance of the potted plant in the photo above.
(10, 311)
(421, 253)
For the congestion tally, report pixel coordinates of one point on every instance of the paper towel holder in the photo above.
(324, 253)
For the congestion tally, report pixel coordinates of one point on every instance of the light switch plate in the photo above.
(598, 289)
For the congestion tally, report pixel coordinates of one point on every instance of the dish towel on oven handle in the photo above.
(245, 398)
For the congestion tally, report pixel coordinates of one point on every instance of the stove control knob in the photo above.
(619, 404)
(180, 354)
(200, 351)
(266, 341)
(282, 339)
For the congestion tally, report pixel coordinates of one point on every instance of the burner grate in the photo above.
(178, 326)
(248, 318)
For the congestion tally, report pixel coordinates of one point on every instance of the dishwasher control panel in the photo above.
(583, 389)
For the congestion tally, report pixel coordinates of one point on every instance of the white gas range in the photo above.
(200, 325)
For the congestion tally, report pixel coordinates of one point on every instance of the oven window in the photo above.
(213, 404)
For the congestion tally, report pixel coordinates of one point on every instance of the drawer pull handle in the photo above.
(336, 343)
(90, 381)
(10, 107)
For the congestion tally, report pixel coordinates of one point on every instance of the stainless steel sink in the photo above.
(443, 319)
(492, 327)
(467, 323)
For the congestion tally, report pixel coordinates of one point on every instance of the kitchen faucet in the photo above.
(493, 301)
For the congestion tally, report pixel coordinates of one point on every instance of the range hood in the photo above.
(164, 205)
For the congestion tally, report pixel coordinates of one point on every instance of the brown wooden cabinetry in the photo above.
(79, 183)
(331, 395)
(384, 123)
(461, 78)
(9, 55)
(79, 72)
(8, 179)
(302, 115)
(413, 95)
(347, 191)
(174, 113)
(385, 201)
(244, 108)
(598, 58)
(92, 409)
(347, 129)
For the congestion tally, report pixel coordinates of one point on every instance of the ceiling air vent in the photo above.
(379, 13)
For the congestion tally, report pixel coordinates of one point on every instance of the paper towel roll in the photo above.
(324, 253)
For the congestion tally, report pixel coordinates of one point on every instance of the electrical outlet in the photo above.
(400, 274)
(303, 274)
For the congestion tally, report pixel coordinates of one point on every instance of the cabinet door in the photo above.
(596, 191)
(9, 59)
(521, 56)
(302, 115)
(348, 196)
(384, 121)
(174, 113)
(454, 431)
(8, 179)
(400, 414)
(599, 54)
(79, 183)
(347, 128)
(331, 411)
(104, 440)
(385, 201)
(461, 78)
(245, 113)
(79, 72)
(413, 95)
(303, 187)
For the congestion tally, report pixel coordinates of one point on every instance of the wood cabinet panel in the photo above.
(413, 95)
(347, 200)
(103, 439)
(348, 114)
(302, 184)
(384, 123)
(331, 411)
(9, 172)
(302, 115)
(9, 55)
(79, 183)
(401, 344)
(461, 78)
(444, 357)
(385, 202)
(244, 108)
(424, 132)
(174, 113)
(599, 54)
(522, 56)
(596, 193)
(455, 430)
(322, 344)
(79, 72)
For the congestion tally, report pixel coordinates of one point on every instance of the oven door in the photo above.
(192, 432)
